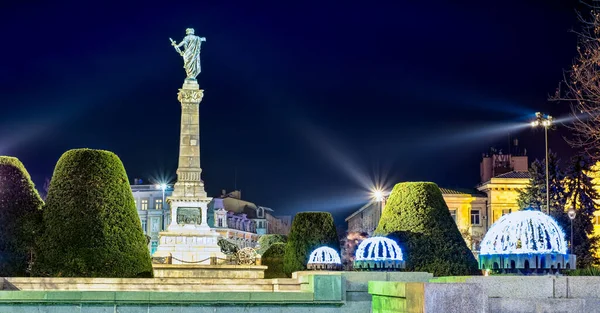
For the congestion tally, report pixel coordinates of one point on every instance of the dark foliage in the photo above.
(417, 217)
(273, 258)
(310, 230)
(91, 225)
(20, 218)
(534, 194)
(266, 241)
(582, 196)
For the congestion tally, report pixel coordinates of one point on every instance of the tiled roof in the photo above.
(462, 191)
(514, 174)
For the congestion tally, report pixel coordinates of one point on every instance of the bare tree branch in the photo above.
(580, 86)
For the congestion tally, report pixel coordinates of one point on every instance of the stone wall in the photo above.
(494, 294)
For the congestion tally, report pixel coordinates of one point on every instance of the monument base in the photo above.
(209, 271)
(188, 247)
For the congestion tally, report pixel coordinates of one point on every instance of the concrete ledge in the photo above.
(208, 271)
(154, 297)
(150, 284)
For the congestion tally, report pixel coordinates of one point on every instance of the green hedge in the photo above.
(273, 258)
(91, 225)
(417, 217)
(309, 231)
(20, 217)
(265, 241)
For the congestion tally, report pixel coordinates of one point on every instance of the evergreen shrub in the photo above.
(92, 228)
(309, 231)
(20, 218)
(416, 216)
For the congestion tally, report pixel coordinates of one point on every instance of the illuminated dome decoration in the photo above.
(324, 258)
(525, 231)
(378, 253)
(525, 240)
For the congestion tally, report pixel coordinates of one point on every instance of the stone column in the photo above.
(189, 183)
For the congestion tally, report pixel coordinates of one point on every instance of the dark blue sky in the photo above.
(308, 102)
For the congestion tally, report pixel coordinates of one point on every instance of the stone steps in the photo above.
(150, 284)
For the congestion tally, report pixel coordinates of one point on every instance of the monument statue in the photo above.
(191, 55)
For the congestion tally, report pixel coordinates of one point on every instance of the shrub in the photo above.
(417, 217)
(310, 230)
(266, 241)
(91, 225)
(273, 258)
(588, 271)
(20, 217)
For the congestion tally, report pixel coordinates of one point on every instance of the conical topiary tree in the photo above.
(309, 231)
(417, 217)
(273, 259)
(265, 241)
(91, 225)
(20, 217)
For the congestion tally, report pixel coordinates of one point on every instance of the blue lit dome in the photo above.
(524, 232)
(324, 255)
(378, 248)
(324, 258)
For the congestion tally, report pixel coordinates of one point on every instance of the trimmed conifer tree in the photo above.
(309, 231)
(417, 217)
(91, 225)
(582, 196)
(266, 241)
(20, 218)
(273, 259)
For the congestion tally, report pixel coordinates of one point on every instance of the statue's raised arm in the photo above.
(191, 53)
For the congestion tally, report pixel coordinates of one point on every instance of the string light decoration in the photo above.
(378, 253)
(525, 241)
(324, 258)
(524, 232)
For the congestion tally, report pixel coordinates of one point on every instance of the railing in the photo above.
(233, 259)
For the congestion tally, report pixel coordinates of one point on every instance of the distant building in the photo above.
(240, 221)
(366, 218)
(153, 211)
(473, 210)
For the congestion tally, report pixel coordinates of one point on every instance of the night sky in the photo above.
(306, 105)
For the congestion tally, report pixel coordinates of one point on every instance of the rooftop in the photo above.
(462, 191)
(514, 174)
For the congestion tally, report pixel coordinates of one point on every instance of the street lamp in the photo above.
(572, 214)
(163, 187)
(546, 122)
(378, 195)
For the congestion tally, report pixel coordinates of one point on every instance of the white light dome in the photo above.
(324, 255)
(524, 232)
(378, 248)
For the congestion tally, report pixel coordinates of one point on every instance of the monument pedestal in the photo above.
(189, 239)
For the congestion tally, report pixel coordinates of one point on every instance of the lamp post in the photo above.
(572, 214)
(379, 196)
(546, 122)
(163, 187)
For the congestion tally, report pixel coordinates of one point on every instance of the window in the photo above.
(220, 222)
(596, 219)
(453, 214)
(158, 204)
(475, 217)
(135, 201)
(506, 211)
(144, 204)
(144, 226)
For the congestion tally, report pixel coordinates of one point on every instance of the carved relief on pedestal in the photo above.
(187, 95)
